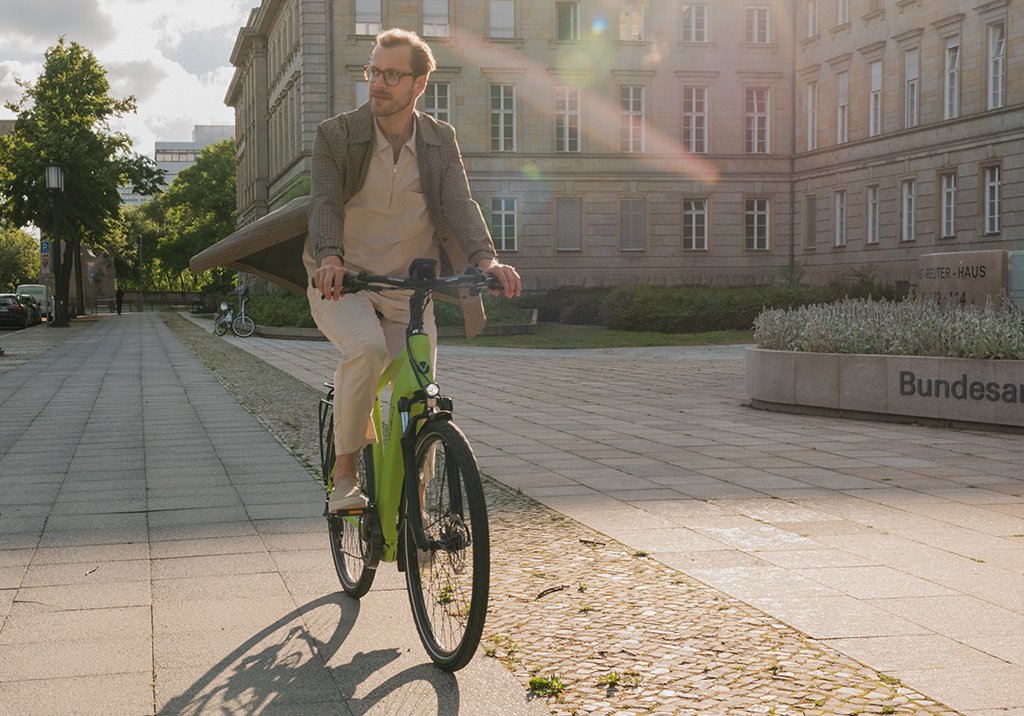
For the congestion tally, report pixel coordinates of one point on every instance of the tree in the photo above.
(64, 117)
(19, 258)
(198, 211)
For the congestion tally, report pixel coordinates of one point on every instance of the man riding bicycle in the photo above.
(388, 187)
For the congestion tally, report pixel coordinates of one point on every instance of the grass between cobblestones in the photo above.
(590, 625)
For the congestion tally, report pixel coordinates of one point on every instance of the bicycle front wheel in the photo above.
(243, 326)
(448, 583)
(356, 539)
(220, 326)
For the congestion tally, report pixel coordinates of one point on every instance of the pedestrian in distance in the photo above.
(388, 186)
(119, 299)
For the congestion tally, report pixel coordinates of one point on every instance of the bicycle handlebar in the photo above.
(474, 279)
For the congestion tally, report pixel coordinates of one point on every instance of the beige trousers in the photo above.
(369, 331)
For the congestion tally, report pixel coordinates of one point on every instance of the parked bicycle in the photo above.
(241, 325)
(426, 503)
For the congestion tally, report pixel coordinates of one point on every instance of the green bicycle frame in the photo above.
(388, 457)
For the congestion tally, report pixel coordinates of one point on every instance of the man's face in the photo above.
(386, 101)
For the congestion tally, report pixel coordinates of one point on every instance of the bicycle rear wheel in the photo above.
(243, 326)
(448, 584)
(220, 326)
(355, 539)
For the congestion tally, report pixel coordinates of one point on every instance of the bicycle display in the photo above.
(426, 508)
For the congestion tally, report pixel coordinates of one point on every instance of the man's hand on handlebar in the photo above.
(329, 277)
(511, 284)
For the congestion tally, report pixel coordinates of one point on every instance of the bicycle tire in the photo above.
(448, 588)
(356, 540)
(220, 326)
(243, 326)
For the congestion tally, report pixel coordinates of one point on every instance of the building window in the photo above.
(631, 224)
(843, 108)
(908, 209)
(996, 65)
(812, 18)
(839, 214)
(758, 31)
(811, 102)
(503, 223)
(503, 18)
(567, 120)
(435, 18)
(367, 17)
(631, 21)
(362, 92)
(993, 199)
(569, 223)
(695, 119)
(948, 219)
(872, 213)
(757, 120)
(695, 23)
(695, 224)
(437, 100)
(567, 20)
(811, 222)
(631, 118)
(503, 118)
(873, 6)
(911, 87)
(756, 224)
(951, 85)
(875, 99)
(842, 12)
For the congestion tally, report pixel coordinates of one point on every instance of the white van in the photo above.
(39, 292)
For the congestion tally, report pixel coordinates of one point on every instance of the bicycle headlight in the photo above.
(432, 390)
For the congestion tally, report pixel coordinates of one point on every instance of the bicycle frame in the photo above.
(394, 470)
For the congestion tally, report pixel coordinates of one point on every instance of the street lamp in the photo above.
(141, 305)
(55, 183)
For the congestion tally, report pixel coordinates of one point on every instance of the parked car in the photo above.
(13, 312)
(33, 305)
(41, 293)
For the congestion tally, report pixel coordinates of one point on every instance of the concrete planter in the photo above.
(959, 390)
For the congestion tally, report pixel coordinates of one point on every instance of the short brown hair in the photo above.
(422, 58)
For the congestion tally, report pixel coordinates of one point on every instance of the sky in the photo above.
(172, 55)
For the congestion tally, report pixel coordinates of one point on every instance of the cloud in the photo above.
(47, 20)
(137, 77)
(200, 51)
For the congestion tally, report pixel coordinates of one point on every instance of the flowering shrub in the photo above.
(908, 327)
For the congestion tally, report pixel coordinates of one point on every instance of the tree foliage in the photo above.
(196, 211)
(19, 258)
(199, 206)
(64, 117)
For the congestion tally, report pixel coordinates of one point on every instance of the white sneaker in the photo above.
(347, 495)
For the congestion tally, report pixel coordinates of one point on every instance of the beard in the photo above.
(394, 103)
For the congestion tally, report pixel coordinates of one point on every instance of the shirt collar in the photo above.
(382, 142)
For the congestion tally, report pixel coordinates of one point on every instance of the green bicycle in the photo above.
(426, 503)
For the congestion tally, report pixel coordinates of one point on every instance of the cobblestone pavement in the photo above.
(621, 632)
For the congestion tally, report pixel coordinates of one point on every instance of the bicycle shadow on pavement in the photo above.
(286, 668)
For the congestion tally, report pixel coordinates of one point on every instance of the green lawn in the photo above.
(557, 335)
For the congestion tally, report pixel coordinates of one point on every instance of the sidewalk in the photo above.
(900, 546)
(161, 553)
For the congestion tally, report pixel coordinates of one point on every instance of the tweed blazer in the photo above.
(342, 151)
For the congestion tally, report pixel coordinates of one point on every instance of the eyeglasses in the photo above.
(391, 77)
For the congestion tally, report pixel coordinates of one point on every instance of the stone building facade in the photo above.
(666, 141)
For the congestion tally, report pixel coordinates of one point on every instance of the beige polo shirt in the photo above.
(387, 224)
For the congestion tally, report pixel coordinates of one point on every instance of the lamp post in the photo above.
(55, 183)
(141, 304)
